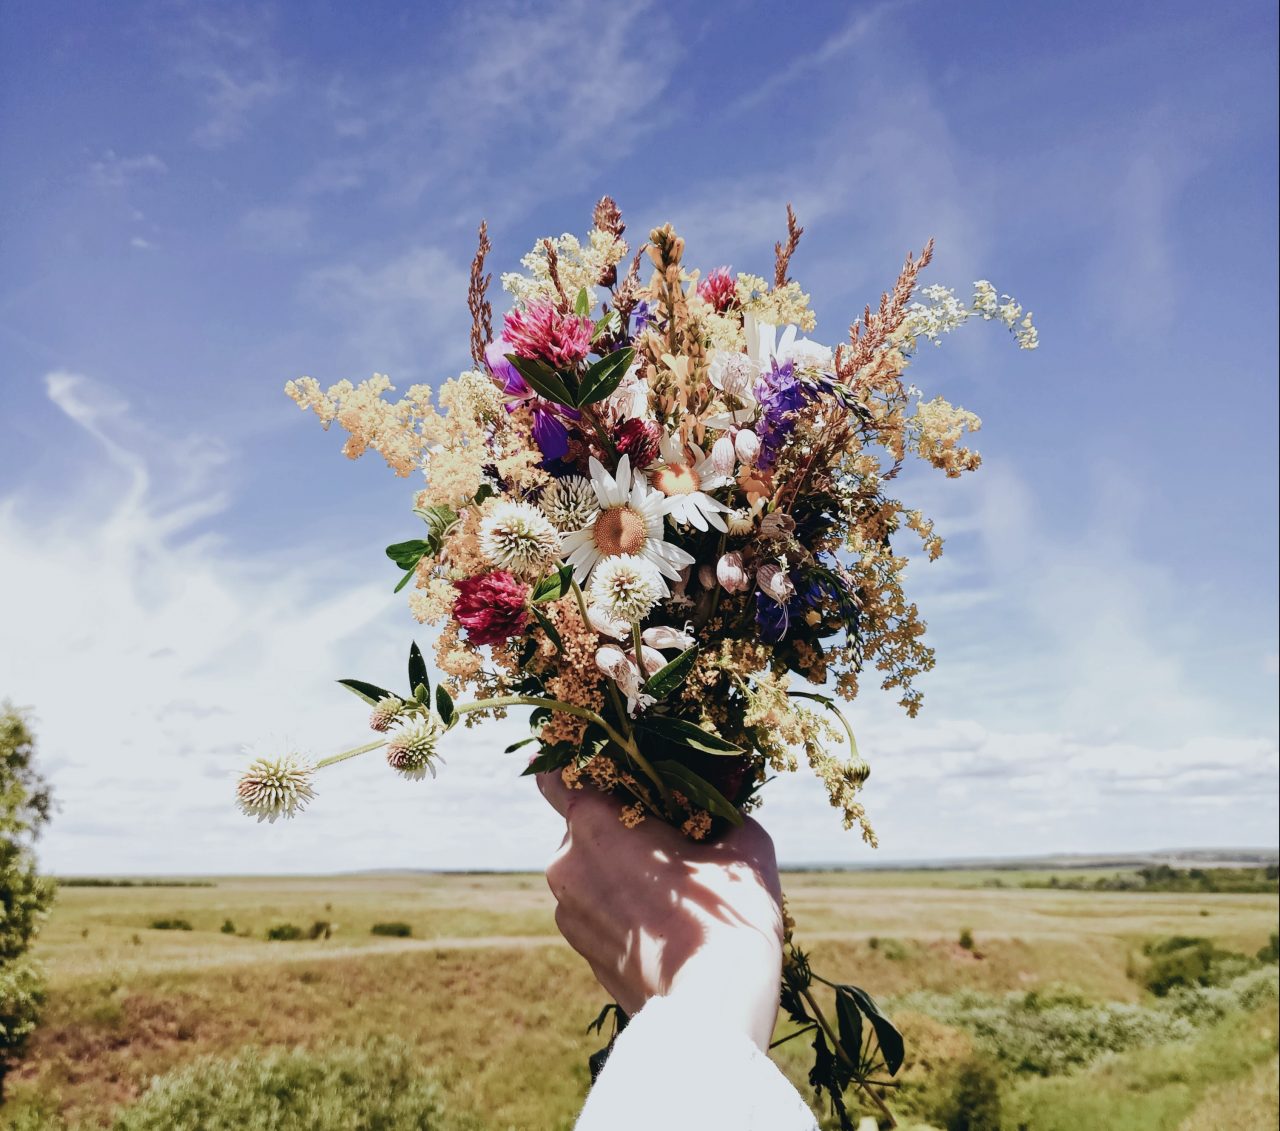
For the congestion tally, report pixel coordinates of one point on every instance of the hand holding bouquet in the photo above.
(658, 514)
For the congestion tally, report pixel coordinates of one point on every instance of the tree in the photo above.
(25, 805)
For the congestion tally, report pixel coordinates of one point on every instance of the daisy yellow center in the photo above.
(620, 530)
(677, 479)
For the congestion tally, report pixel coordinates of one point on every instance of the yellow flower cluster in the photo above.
(786, 305)
(937, 429)
(578, 265)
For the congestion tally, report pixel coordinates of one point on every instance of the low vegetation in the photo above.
(1051, 1020)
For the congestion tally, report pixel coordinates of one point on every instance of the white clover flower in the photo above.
(385, 712)
(517, 537)
(272, 788)
(626, 587)
(570, 503)
(413, 751)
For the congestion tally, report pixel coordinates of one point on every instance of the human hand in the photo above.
(655, 913)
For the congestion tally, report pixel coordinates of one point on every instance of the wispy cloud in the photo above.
(112, 171)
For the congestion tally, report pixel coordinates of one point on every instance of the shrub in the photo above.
(285, 932)
(320, 929)
(375, 1087)
(228, 927)
(170, 925)
(966, 938)
(1270, 952)
(395, 930)
(25, 896)
(970, 1099)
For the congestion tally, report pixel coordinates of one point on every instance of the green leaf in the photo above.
(369, 692)
(604, 376)
(666, 679)
(444, 706)
(418, 672)
(604, 324)
(548, 628)
(438, 517)
(408, 554)
(484, 491)
(408, 577)
(554, 587)
(552, 758)
(850, 1022)
(582, 304)
(542, 379)
(888, 1038)
(689, 734)
(516, 745)
(698, 790)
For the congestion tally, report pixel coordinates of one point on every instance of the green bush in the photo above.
(395, 930)
(966, 938)
(285, 932)
(320, 929)
(170, 925)
(375, 1087)
(970, 1097)
(1270, 952)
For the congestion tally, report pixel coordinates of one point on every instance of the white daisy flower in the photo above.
(629, 521)
(519, 538)
(626, 587)
(570, 503)
(684, 477)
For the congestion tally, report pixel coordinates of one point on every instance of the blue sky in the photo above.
(203, 201)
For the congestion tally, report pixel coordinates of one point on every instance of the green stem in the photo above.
(619, 708)
(334, 759)
(853, 1068)
(839, 714)
(536, 701)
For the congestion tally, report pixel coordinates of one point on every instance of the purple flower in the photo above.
(781, 396)
(550, 432)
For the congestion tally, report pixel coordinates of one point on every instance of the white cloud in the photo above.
(277, 227)
(112, 171)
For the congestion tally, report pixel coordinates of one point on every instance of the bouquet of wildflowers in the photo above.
(659, 514)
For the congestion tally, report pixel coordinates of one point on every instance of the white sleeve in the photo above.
(674, 1069)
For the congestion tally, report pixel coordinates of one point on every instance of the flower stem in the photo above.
(538, 701)
(334, 759)
(840, 1052)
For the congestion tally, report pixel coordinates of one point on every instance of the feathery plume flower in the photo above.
(627, 587)
(639, 439)
(492, 607)
(385, 712)
(272, 788)
(540, 331)
(518, 537)
(412, 752)
(719, 289)
(630, 521)
(570, 503)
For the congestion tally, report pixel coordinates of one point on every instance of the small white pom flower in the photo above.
(413, 751)
(517, 537)
(570, 503)
(385, 712)
(626, 587)
(278, 787)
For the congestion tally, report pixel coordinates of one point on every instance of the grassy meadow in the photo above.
(1041, 1022)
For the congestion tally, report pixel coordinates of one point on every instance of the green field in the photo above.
(1046, 1008)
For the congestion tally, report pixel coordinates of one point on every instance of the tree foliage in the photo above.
(25, 806)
